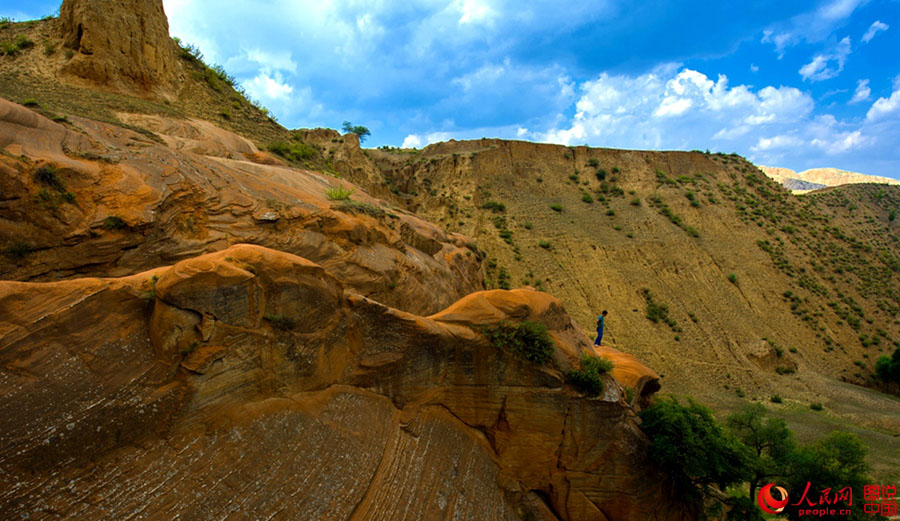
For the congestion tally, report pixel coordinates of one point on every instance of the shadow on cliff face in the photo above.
(253, 381)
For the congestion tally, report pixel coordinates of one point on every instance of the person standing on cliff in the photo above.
(600, 328)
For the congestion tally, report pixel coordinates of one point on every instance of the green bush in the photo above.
(587, 379)
(11, 48)
(223, 75)
(556, 207)
(657, 312)
(888, 367)
(529, 340)
(338, 193)
(545, 244)
(586, 197)
(114, 223)
(777, 399)
(47, 176)
(494, 206)
(732, 278)
(816, 406)
(593, 162)
(187, 51)
(293, 151)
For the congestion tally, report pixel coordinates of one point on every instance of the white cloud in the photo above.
(885, 107)
(813, 26)
(776, 142)
(416, 140)
(876, 26)
(672, 108)
(655, 110)
(862, 91)
(841, 143)
(279, 60)
(474, 11)
(828, 65)
(268, 88)
(754, 68)
(838, 9)
(521, 132)
(412, 141)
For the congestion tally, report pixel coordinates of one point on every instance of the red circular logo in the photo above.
(767, 501)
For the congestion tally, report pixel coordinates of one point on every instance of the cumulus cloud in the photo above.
(862, 91)
(412, 141)
(840, 143)
(267, 88)
(680, 108)
(876, 26)
(654, 109)
(884, 108)
(416, 140)
(827, 65)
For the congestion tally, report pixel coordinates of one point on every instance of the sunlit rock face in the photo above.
(250, 383)
(123, 46)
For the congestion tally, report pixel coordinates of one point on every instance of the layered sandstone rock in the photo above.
(632, 374)
(119, 45)
(252, 384)
(124, 202)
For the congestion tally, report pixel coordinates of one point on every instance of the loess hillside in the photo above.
(730, 285)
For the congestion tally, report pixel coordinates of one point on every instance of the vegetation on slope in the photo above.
(751, 449)
(207, 92)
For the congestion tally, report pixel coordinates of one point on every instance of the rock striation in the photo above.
(91, 198)
(155, 364)
(250, 383)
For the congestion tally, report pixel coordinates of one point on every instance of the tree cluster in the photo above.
(749, 451)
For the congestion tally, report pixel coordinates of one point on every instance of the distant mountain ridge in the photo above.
(816, 178)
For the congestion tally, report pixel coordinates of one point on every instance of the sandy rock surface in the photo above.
(124, 202)
(251, 383)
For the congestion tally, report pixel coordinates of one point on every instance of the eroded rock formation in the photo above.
(119, 45)
(118, 202)
(250, 383)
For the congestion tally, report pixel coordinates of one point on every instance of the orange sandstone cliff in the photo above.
(192, 329)
(297, 378)
(249, 383)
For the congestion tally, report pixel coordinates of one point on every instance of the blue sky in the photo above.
(785, 83)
